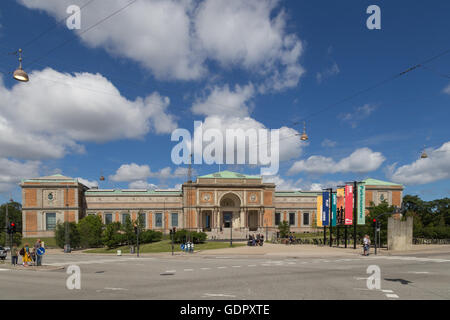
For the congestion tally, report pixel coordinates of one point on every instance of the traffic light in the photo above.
(378, 224)
(135, 229)
(13, 227)
(374, 223)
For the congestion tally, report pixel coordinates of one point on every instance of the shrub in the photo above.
(60, 234)
(90, 229)
(150, 236)
(181, 236)
(111, 235)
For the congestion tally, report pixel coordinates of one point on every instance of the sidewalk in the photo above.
(319, 251)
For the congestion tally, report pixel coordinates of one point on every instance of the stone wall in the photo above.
(400, 234)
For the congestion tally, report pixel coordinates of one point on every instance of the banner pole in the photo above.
(330, 216)
(355, 203)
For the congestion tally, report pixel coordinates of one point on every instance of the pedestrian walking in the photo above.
(37, 245)
(14, 255)
(25, 253)
(366, 244)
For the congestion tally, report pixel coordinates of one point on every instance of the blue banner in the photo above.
(333, 209)
(326, 209)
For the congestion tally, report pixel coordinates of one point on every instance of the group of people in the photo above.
(255, 240)
(30, 257)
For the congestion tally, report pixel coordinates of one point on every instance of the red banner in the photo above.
(348, 205)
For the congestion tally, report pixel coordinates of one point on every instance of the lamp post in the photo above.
(66, 223)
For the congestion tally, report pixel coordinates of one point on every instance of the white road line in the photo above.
(392, 295)
(4, 269)
(236, 266)
(419, 272)
(171, 271)
(205, 268)
(218, 295)
(252, 265)
(221, 267)
(387, 291)
(116, 289)
(188, 269)
(291, 263)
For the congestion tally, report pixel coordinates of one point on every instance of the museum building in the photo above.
(217, 203)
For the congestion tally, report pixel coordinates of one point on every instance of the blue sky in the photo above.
(107, 100)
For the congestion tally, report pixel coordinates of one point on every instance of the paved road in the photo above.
(237, 277)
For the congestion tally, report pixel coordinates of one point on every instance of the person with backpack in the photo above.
(25, 253)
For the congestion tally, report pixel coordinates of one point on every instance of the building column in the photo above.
(242, 222)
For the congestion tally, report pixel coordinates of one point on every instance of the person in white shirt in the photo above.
(366, 244)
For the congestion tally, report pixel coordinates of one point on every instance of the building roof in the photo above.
(134, 192)
(53, 178)
(290, 193)
(375, 182)
(229, 175)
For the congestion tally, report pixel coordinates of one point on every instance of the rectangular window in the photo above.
(50, 221)
(124, 217)
(305, 218)
(158, 220)
(174, 219)
(291, 218)
(108, 218)
(143, 220)
(277, 218)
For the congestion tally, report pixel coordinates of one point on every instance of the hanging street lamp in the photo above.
(19, 74)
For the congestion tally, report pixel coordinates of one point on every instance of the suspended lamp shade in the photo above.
(20, 74)
(304, 136)
(102, 178)
(424, 155)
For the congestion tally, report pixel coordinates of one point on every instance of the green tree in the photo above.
(284, 229)
(60, 234)
(14, 215)
(90, 229)
(128, 229)
(113, 236)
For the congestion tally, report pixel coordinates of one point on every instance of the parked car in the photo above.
(3, 253)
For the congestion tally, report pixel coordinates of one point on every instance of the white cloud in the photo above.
(142, 184)
(225, 102)
(134, 173)
(327, 143)
(447, 89)
(251, 34)
(177, 39)
(290, 145)
(75, 108)
(327, 73)
(131, 172)
(87, 183)
(358, 114)
(435, 167)
(361, 160)
(13, 171)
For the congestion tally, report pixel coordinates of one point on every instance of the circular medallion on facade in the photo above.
(206, 197)
(50, 196)
(253, 197)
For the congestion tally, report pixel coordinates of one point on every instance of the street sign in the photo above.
(40, 251)
(182, 247)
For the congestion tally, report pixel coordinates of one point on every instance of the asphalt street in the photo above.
(237, 277)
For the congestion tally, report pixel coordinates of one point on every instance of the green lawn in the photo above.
(166, 246)
(48, 242)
